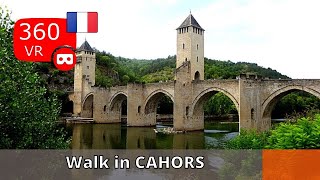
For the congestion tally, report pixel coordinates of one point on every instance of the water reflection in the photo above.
(116, 136)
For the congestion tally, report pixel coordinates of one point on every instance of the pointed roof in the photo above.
(85, 47)
(190, 21)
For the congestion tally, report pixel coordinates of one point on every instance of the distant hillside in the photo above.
(111, 71)
(119, 71)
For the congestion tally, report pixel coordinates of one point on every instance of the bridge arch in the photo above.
(152, 100)
(270, 102)
(198, 102)
(87, 106)
(151, 104)
(116, 106)
(116, 98)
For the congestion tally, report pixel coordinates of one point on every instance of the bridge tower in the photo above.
(190, 48)
(84, 75)
(189, 69)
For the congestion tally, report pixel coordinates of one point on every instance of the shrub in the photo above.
(304, 134)
(248, 140)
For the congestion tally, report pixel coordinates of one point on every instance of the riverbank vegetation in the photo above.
(28, 111)
(297, 133)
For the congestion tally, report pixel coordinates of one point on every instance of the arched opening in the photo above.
(66, 105)
(67, 108)
(159, 108)
(288, 104)
(197, 76)
(118, 108)
(218, 111)
(87, 110)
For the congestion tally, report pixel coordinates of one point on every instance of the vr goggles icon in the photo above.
(64, 58)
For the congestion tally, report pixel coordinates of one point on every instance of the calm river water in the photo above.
(117, 136)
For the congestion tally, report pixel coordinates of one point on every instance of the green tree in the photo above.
(125, 79)
(28, 112)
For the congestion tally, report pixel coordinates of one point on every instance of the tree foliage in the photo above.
(28, 113)
(219, 105)
(302, 134)
(162, 69)
(295, 103)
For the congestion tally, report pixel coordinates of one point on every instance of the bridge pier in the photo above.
(136, 107)
(248, 110)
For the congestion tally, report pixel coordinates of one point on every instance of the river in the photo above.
(117, 136)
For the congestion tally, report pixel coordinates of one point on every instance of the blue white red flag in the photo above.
(83, 22)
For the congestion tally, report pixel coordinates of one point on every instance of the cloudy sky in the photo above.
(280, 34)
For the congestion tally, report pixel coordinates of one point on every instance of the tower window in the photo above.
(183, 46)
(139, 109)
(197, 59)
(252, 114)
(187, 110)
(186, 59)
(104, 107)
(197, 46)
(87, 67)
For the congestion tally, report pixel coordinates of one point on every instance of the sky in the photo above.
(281, 34)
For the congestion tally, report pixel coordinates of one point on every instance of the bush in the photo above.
(303, 133)
(248, 140)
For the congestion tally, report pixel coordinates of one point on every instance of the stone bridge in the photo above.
(253, 98)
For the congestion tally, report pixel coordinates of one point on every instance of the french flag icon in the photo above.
(82, 22)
